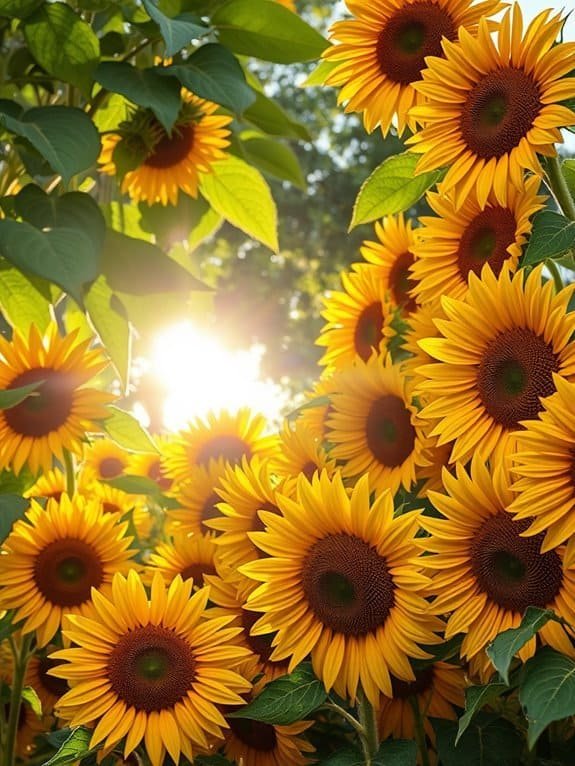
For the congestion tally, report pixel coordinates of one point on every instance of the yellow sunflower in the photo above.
(198, 498)
(151, 465)
(357, 319)
(54, 557)
(252, 743)
(220, 437)
(544, 463)
(383, 51)
(459, 241)
(314, 417)
(492, 108)
(341, 582)
(49, 484)
(113, 500)
(393, 256)
(150, 668)
(421, 324)
(495, 359)
(103, 460)
(167, 163)
(485, 571)
(192, 556)
(56, 416)
(375, 426)
(48, 688)
(299, 452)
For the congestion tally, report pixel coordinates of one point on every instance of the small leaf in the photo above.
(74, 748)
(274, 158)
(144, 87)
(489, 741)
(240, 194)
(126, 431)
(267, 30)
(63, 44)
(320, 74)
(547, 691)
(287, 699)
(477, 697)
(30, 696)
(177, 32)
(10, 397)
(12, 508)
(503, 649)
(7, 627)
(552, 236)
(25, 300)
(135, 485)
(392, 188)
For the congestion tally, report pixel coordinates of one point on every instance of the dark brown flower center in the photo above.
(405, 689)
(258, 525)
(499, 111)
(516, 370)
(111, 508)
(111, 467)
(401, 283)
(412, 33)
(197, 571)
(309, 469)
(390, 434)
(47, 408)
(261, 645)
(231, 448)
(209, 509)
(171, 150)
(511, 569)
(65, 572)
(156, 473)
(53, 685)
(151, 668)
(347, 584)
(486, 239)
(256, 735)
(368, 331)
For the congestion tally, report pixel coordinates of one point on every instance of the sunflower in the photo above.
(253, 743)
(198, 498)
(48, 688)
(341, 582)
(150, 669)
(460, 241)
(421, 324)
(316, 409)
(495, 360)
(299, 452)
(393, 256)
(221, 437)
(103, 460)
(167, 163)
(54, 557)
(113, 500)
(382, 51)
(56, 416)
(491, 109)
(49, 484)
(151, 465)
(375, 427)
(192, 556)
(485, 571)
(357, 319)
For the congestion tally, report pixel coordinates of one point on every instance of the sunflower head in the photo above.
(103, 460)
(192, 556)
(299, 452)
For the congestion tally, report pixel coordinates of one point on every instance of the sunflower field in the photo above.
(385, 574)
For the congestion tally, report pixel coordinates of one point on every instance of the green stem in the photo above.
(354, 723)
(70, 473)
(420, 732)
(558, 186)
(555, 273)
(368, 721)
(21, 658)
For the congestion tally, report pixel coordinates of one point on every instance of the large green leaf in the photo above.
(177, 32)
(64, 136)
(126, 431)
(287, 699)
(489, 741)
(552, 236)
(144, 87)
(267, 30)
(212, 72)
(25, 300)
(110, 322)
(12, 508)
(477, 697)
(75, 747)
(239, 193)
(391, 188)
(18, 9)
(274, 158)
(63, 44)
(547, 691)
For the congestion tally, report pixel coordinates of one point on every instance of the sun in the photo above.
(199, 374)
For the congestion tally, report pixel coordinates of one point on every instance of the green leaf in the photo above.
(489, 741)
(392, 752)
(212, 72)
(552, 236)
(274, 158)
(547, 691)
(63, 135)
(25, 300)
(320, 74)
(177, 32)
(240, 194)
(110, 322)
(74, 748)
(270, 117)
(135, 485)
(267, 30)
(207, 224)
(64, 256)
(392, 188)
(10, 397)
(477, 697)
(503, 649)
(30, 696)
(6, 625)
(144, 87)
(18, 9)
(12, 508)
(126, 431)
(287, 699)
(63, 44)
(344, 758)
(568, 169)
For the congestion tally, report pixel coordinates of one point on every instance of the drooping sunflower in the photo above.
(383, 51)
(103, 460)
(299, 452)
(495, 359)
(393, 257)
(48, 688)
(492, 108)
(49, 484)
(167, 162)
(460, 241)
(254, 743)
(357, 319)
(198, 498)
(150, 668)
(56, 416)
(54, 557)
(485, 571)
(375, 427)
(341, 582)
(188, 555)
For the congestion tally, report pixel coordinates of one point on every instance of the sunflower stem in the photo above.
(420, 732)
(555, 273)
(367, 719)
(558, 186)
(21, 656)
(353, 722)
(70, 473)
